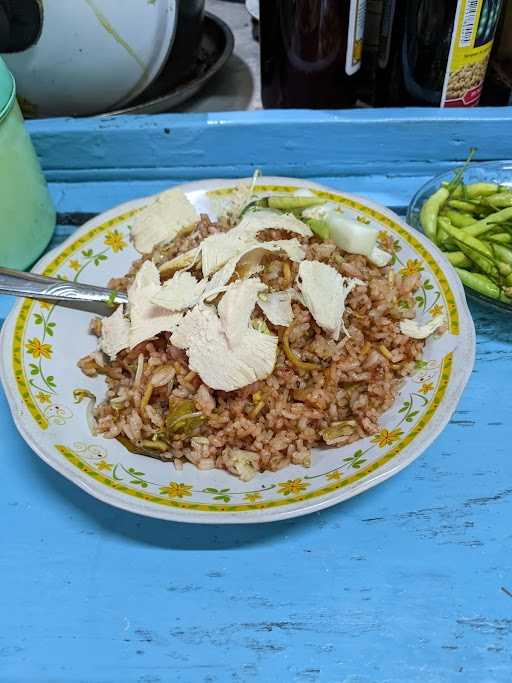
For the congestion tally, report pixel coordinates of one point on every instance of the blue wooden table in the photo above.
(410, 582)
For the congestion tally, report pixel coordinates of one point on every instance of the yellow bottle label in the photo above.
(355, 36)
(472, 39)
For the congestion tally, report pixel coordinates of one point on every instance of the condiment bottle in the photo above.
(435, 52)
(311, 52)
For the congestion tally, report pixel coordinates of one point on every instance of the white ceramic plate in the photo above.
(40, 347)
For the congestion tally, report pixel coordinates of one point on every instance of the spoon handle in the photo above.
(77, 295)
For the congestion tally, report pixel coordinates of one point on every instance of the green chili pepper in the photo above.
(458, 258)
(501, 238)
(289, 202)
(489, 223)
(502, 253)
(443, 238)
(504, 269)
(430, 211)
(473, 227)
(459, 219)
(479, 252)
(480, 189)
(458, 192)
(462, 205)
(500, 200)
(455, 193)
(482, 284)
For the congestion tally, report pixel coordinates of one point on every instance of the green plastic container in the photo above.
(27, 214)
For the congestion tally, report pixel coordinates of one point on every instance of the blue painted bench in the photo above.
(408, 583)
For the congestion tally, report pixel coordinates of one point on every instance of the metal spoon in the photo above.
(77, 295)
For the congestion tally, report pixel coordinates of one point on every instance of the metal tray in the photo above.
(215, 48)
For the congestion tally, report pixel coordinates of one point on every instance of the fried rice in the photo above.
(321, 393)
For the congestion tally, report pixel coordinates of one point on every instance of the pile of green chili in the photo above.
(472, 225)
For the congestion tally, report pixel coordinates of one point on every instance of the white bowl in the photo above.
(93, 55)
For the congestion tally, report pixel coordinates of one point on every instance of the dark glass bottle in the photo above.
(310, 52)
(366, 76)
(434, 52)
(498, 83)
(415, 44)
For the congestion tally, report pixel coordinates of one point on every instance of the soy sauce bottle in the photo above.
(434, 52)
(311, 52)
(413, 55)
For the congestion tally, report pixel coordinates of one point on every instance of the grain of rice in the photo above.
(163, 375)
(140, 370)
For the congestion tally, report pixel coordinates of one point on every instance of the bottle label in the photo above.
(472, 39)
(355, 36)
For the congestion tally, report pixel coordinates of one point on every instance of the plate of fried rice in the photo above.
(283, 348)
